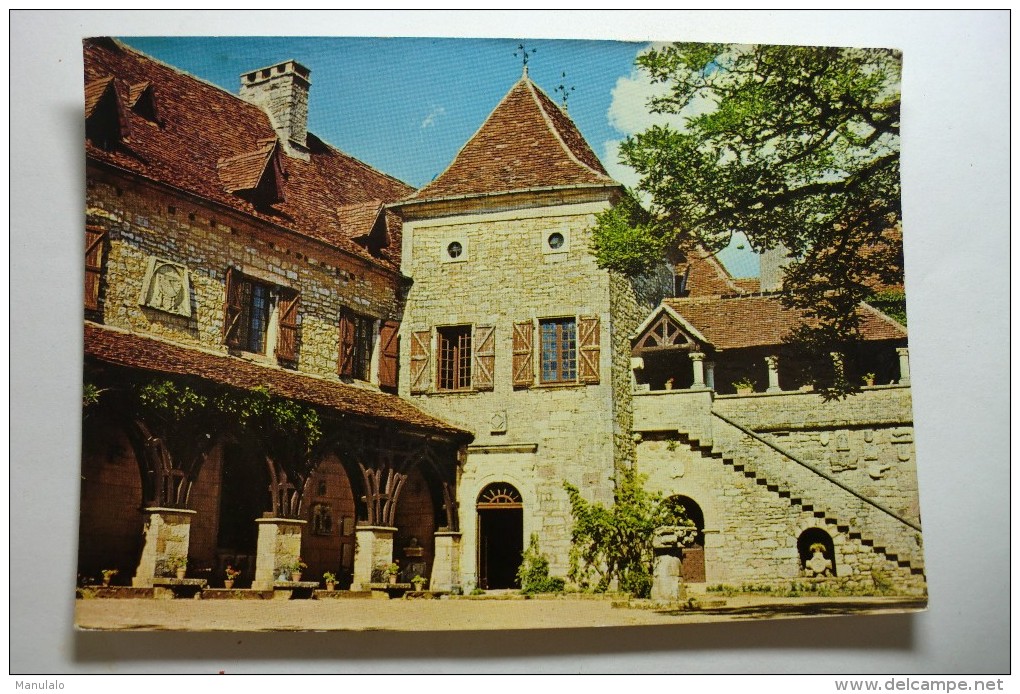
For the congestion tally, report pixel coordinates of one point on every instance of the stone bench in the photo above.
(388, 590)
(170, 588)
(294, 590)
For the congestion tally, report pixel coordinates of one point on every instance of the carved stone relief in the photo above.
(166, 287)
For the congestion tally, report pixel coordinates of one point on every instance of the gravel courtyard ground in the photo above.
(447, 615)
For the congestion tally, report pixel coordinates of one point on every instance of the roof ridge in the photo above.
(533, 88)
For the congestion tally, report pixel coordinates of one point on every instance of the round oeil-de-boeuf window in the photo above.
(455, 249)
(555, 240)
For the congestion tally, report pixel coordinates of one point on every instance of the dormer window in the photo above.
(142, 100)
(105, 124)
(256, 176)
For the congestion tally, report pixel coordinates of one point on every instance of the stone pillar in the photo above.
(710, 375)
(375, 548)
(772, 361)
(904, 356)
(666, 579)
(167, 534)
(446, 565)
(698, 363)
(279, 546)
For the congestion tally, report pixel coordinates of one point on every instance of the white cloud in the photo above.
(430, 120)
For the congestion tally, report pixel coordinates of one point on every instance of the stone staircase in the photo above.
(893, 538)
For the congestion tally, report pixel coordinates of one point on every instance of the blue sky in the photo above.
(407, 105)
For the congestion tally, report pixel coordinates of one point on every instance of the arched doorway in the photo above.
(500, 536)
(693, 567)
(328, 539)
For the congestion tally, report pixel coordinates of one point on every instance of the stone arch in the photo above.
(693, 556)
(499, 510)
(815, 547)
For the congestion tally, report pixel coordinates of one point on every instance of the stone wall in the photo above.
(554, 433)
(757, 501)
(144, 221)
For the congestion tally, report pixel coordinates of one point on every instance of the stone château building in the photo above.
(462, 350)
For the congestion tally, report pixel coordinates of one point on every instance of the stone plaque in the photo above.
(166, 287)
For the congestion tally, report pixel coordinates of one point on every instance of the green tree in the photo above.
(615, 543)
(795, 147)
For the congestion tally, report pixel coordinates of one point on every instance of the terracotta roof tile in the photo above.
(759, 320)
(526, 142)
(202, 125)
(131, 350)
(244, 171)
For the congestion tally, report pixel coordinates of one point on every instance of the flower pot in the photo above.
(181, 572)
(106, 582)
(330, 586)
(418, 587)
(393, 579)
(745, 391)
(295, 575)
(228, 584)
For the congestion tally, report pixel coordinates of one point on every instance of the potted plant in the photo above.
(231, 575)
(108, 575)
(744, 386)
(868, 379)
(419, 583)
(178, 564)
(391, 571)
(297, 568)
(329, 578)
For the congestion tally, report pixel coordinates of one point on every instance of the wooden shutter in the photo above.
(232, 310)
(421, 345)
(485, 357)
(95, 245)
(523, 366)
(286, 341)
(347, 335)
(388, 354)
(588, 346)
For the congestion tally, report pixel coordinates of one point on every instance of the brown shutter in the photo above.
(95, 245)
(388, 354)
(286, 342)
(523, 366)
(347, 334)
(232, 309)
(485, 357)
(421, 345)
(588, 344)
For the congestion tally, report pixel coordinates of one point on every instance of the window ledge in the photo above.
(551, 386)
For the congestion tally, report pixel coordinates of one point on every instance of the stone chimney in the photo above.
(282, 92)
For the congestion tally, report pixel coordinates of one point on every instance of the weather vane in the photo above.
(523, 55)
(563, 90)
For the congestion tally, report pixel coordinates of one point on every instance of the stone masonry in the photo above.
(574, 433)
(144, 222)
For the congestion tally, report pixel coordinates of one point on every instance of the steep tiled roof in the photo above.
(526, 142)
(129, 349)
(706, 276)
(759, 320)
(244, 171)
(202, 125)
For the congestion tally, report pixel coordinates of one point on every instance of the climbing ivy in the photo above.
(615, 543)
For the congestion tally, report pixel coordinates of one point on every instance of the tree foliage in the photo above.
(793, 146)
(615, 543)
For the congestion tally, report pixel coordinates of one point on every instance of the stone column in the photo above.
(446, 565)
(772, 361)
(279, 546)
(710, 375)
(167, 534)
(375, 548)
(904, 356)
(698, 363)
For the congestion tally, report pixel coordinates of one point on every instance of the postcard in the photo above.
(447, 334)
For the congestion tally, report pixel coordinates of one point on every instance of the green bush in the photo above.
(533, 573)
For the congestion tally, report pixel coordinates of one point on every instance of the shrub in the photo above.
(533, 572)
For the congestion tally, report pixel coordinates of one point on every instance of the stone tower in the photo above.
(512, 331)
